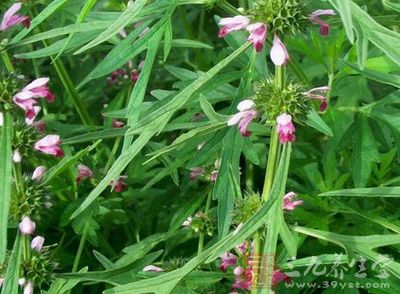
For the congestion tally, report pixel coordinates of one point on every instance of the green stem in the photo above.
(80, 248)
(201, 236)
(7, 61)
(69, 86)
(272, 164)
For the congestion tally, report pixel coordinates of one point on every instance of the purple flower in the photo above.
(319, 94)
(285, 128)
(278, 277)
(244, 117)
(120, 185)
(196, 172)
(26, 98)
(315, 17)
(258, 33)
(50, 145)
(27, 226)
(288, 203)
(38, 173)
(37, 243)
(11, 18)
(279, 54)
(227, 259)
(83, 172)
(231, 24)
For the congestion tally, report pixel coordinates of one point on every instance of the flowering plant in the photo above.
(198, 146)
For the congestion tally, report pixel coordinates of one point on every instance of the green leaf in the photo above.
(82, 15)
(119, 55)
(365, 153)
(126, 17)
(344, 9)
(385, 78)
(365, 192)
(224, 188)
(10, 285)
(153, 123)
(5, 180)
(390, 4)
(107, 275)
(43, 15)
(209, 110)
(168, 35)
(165, 283)
(316, 122)
(67, 162)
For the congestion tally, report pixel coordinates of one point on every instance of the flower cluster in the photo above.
(242, 264)
(278, 17)
(209, 174)
(200, 223)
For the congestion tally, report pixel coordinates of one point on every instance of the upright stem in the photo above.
(201, 236)
(80, 248)
(272, 163)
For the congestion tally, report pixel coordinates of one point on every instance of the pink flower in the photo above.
(153, 268)
(285, 128)
(244, 279)
(27, 226)
(196, 172)
(288, 203)
(278, 277)
(11, 18)
(319, 94)
(17, 156)
(279, 54)
(50, 145)
(116, 124)
(214, 176)
(231, 24)
(36, 89)
(38, 173)
(1, 119)
(258, 33)
(227, 259)
(26, 98)
(40, 126)
(244, 117)
(28, 288)
(83, 172)
(37, 243)
(315, 17)
(120, 185)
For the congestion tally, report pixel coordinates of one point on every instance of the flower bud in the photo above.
(38, 173)
(27, 226)
(37, 243)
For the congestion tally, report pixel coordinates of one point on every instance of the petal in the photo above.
(245, 105)
(284, 119)
(37, 83)
(233, 21)
(235, 118)
(279, 54)
(8, 15)
(49, 140)
(321, 12)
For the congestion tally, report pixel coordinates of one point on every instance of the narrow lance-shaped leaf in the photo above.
(5, 181)
(155, 122)
(126, 17)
